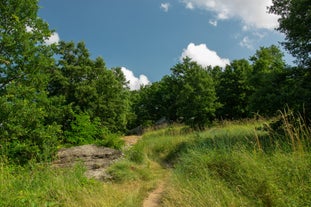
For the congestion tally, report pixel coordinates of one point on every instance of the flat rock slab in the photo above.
(96, 159)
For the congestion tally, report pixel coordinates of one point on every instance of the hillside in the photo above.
(230, 164)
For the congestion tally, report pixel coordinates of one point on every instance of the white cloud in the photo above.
(251, 40)
(134, 82)
(213, 22)
(247, 42)
(253, 13)
(189, 5)
(204, 56)
(259, 35)
(54, 38)
(165, 6)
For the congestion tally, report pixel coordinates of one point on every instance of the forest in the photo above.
(57, 95)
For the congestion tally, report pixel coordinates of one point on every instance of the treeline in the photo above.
(54, 95)
(196, 96)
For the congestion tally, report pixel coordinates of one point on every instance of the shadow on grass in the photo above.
(262, 142)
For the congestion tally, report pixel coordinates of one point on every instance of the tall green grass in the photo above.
(43, 185)
(239, 165)
(244, 163)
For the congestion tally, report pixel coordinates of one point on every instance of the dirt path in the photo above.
(131, 140)
(154, 198)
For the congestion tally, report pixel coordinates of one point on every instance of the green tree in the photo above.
(187, 95)
(24, 60)
(196, 98)
(148, 104)
(295, 23)
(266, 81)
(233, 90)
(88, 86)
(113, 104)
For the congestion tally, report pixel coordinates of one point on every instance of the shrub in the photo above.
(87, 131)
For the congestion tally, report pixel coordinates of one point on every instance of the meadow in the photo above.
(229, 164)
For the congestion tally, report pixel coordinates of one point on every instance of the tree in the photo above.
(196, 98)
(233, 90)
(295, 23)
(24, 60)
(266, 81)
(187, 95)
(113, 105)
(89, 87)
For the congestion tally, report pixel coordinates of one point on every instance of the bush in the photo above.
(110, 140)
(85, 131)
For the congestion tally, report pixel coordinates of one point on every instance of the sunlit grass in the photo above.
(239, 165)
(230, 164)
(43, 185)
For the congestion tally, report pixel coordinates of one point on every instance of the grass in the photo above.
(42, 185)
(230, 164)
(237, 165)
(240, 178)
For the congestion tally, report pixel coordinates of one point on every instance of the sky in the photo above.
(148, 37)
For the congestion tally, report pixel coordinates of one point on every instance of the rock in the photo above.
(96, 159)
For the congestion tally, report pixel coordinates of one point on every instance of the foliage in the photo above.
(196, 99)
(89, 87)
(295, 22)
(266, 81)
(108, 139)
(233, 89)
(146, 104)
(84, 131)
(53, 94)
(187, 95)
(24, 132)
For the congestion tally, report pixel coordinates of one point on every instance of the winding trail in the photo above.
(154, 197)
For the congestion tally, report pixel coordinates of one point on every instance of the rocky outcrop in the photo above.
(96, 159)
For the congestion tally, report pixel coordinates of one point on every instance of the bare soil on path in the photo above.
(131, 140)
(154, 198)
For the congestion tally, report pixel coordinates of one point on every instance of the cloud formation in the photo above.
(54, 38)
(252, 40)
(247, 42)
(204, 56)
(134, 82)
(253, 13)
(165, 6)
(213, 22)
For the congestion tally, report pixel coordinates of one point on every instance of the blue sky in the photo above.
(148, 37)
